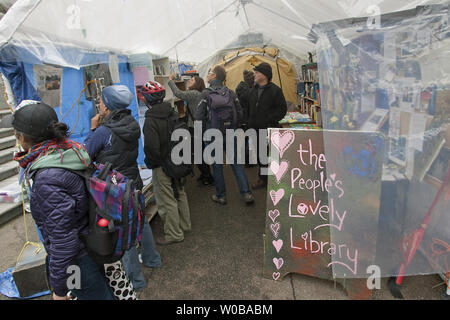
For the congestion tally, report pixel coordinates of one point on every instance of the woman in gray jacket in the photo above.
(192, 97)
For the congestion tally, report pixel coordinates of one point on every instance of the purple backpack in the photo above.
(222, 109)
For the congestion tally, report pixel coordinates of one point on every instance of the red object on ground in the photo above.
(411, 242)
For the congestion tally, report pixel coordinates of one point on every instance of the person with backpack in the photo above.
(192, 97)
(168, 179)
(220, 109)
(58, 200)
(267, 106)
(114, 138)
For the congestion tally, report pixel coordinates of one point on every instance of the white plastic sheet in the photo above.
(63, 32)
(391, 78)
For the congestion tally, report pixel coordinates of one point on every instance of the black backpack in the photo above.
(176, 171)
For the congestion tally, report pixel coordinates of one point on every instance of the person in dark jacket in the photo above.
(114, 138)
(267, 106)
(216, 78)
(192, 97)
(170, 194)
(114, 135)
(242, 92)
(58, 199)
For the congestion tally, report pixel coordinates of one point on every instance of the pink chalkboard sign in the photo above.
(322, 205)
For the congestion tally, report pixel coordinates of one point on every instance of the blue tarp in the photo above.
(8, 287)
(20, 84)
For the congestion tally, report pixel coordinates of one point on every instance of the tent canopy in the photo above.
(180, 29)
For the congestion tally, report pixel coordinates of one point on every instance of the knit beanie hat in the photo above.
(265, 69)
(116, 97)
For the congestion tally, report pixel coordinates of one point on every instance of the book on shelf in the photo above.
(310, 73)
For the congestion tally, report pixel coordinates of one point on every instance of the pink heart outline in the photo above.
(277, 244)
(276, 196)
(275, 228)
(333, 176)
(305, 236)
(282, 141)
(276, 276)
(302, 209)
(278, 262)
(279, 170)
(273, 214)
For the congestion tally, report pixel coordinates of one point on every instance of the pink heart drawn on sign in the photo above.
(275, 227)
(278, 244)
(276, 196)
(282, 141)
(305, 236)
(275, 276)
(278, 262)
(333, 176)
(273, 214)
(302, 209)
(279, 169)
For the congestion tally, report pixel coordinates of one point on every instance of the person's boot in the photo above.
(248, 198)
(208, 181)
(260, 184)
(222, 201)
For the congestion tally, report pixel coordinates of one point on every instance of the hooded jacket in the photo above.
(59, 205)
(267, 107)
(117, 141)
(242, 92)
(156, 133)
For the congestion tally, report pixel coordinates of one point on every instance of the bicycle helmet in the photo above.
(152, 92)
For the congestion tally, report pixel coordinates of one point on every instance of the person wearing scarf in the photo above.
(58, 200)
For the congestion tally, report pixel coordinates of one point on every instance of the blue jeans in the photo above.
(94, 284)
(150, 258)
(239, 174)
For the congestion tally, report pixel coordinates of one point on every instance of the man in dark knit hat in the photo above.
(267, 106)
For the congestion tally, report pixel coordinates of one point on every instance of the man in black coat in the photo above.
(267, 107)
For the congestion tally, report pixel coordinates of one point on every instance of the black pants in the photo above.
(205, 171)
(261, 166)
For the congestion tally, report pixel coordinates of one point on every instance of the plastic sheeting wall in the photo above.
(182, 29)
(394, 79)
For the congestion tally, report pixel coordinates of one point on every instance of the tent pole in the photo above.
(283, 17)
(246, 16)
(279, 75)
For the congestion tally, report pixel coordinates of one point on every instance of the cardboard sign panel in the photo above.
(322, 204)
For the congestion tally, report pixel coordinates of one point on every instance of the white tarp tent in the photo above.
(181, 29)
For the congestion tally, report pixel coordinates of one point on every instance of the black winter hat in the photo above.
(265, 69)
(34, 119)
